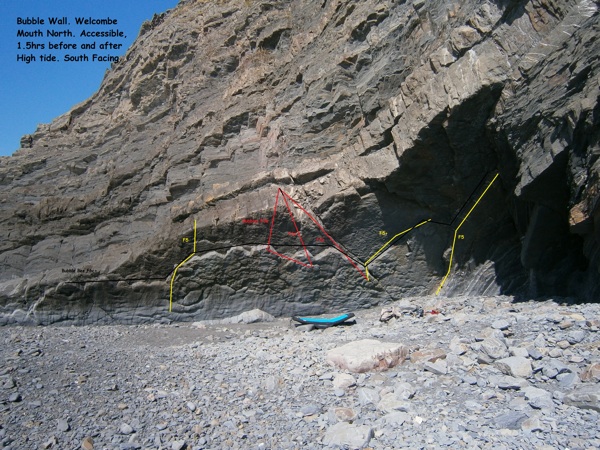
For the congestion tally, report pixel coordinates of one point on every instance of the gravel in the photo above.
(269, 386)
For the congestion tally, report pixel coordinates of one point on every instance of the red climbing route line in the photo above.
(286, 197)
(298, 234)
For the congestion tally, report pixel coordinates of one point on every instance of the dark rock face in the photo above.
(301, 137)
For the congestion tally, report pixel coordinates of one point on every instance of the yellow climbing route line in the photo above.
(178, 266)
(388, 243)
(456, 234)
(194, 236)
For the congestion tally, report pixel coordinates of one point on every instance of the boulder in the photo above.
(515, 366)
(584, 397)
(366, 355)
(591, 373)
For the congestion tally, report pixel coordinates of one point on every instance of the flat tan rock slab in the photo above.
(366, 355)
(427, 355)
(591, 373)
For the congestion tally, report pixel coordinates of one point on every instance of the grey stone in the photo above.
(404, 390)
(518, 351)
(539, 342)
(52, 441)
(367, 396)
(532, 424)
(488, 333)
(392, 402)
(473, 405)
(441, 58)
(345, 108)
(395, 418)
(7, 382)
(343, 381)
(534, 353)
(339, 392)
(584, 397)
(178, 445)
(63, 426)
(538, 398)
(567, 380)
(554, 367)
(494, 348)
(512, 420)
(15, 397)
(515, 366)
(576, 336)
(470, 379)
(457, 347)
(501, 324)
(519, 404)
(558, 395)
(438, 367)
(309, 410)
(126, 429)
(130, 446)
(507, 382)
(344, 434)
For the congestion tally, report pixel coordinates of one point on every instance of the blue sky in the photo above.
(38, 92)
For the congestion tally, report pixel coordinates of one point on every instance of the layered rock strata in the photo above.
(297, 139)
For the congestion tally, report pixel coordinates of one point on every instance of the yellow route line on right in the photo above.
(456, 234)
(178, 266)
(388, 243)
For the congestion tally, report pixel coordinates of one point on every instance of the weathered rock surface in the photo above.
(516, 366)
(591, 372)
(300, 138)
(366, 355)
(253, 316)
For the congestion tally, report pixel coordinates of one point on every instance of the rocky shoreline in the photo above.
(480, 372)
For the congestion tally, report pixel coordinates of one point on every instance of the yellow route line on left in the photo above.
(178, 266)
(388, 243)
